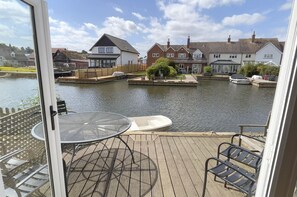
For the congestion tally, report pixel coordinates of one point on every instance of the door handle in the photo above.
(52, 113)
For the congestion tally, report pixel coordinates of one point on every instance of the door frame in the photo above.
(45, 76)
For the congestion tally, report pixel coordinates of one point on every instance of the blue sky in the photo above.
(78, 24)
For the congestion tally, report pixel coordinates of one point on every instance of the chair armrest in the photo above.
(251, 137)
(11, 154)
(31, 175)
(251, 125)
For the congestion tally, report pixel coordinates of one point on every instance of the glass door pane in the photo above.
(23, 157)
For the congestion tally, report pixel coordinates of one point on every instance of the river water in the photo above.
(212, 106)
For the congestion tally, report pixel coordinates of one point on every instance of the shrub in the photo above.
(207, 69)
(172, 72)
(268, 70)
(160, 67)
(151, 71)
(249, 70)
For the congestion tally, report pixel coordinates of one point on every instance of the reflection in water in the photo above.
(212, 106)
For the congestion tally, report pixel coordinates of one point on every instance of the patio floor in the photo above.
(165, 165)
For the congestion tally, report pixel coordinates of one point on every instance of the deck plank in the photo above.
(177, 183)
(166, 166)
(166, 182)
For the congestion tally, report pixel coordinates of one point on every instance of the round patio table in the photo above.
(77, 129)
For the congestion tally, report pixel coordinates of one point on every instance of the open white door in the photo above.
(25, 43)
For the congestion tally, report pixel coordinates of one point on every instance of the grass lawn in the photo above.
(18, 69)
(141, 73)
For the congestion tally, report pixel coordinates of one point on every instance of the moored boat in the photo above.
(150, 123)
(239, 79)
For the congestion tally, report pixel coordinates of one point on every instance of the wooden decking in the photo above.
(165, 165)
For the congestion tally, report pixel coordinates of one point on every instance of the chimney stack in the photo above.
(188, 43)
(229, 39)
(168, 43)
(253, 37)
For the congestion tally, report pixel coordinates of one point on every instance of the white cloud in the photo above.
(14, 11)
(139, 16)
(5, 31)
(182, 20)
(73, 38)
(243, 19)
(207, 4)
(118, 9)
(286, 6)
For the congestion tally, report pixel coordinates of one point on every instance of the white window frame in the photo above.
(101, 50)
(217, 55)
(278, 173)
(47, 78)
(168, 55)
(182, 55)
(268, 56)
(109, 50)
(155, 55)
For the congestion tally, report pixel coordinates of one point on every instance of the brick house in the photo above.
(224, 57)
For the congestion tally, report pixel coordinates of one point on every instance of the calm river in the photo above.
(212, 106)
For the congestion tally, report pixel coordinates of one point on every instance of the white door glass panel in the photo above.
(27, 87)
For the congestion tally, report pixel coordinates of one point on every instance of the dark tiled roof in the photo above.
(74, 55)
(123, 45)
(174, 47)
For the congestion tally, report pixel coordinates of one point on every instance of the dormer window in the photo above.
(169, 55)
(181, 55)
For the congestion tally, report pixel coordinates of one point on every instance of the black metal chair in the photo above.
(231, 151)
(17, 159)
(27, 182)
(62, 107)
(233, 175)
(227, 168)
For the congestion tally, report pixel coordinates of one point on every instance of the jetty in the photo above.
(189, 81)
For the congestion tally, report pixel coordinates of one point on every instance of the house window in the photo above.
(101, 49)
(109, 49)
(268, 56)
(217, 55)
(233, 56)
(248, 56)
(181, 66)
(198, 56)
(181, 55)
(170, 55)
(155, 55)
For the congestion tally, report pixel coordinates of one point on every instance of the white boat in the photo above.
(150, 123)
(239, 79)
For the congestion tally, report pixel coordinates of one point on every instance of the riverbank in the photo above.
(4, 74)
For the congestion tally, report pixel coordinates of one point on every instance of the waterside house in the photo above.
(69, 60)
(223, 57)
(13, 56)
(110, 51)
